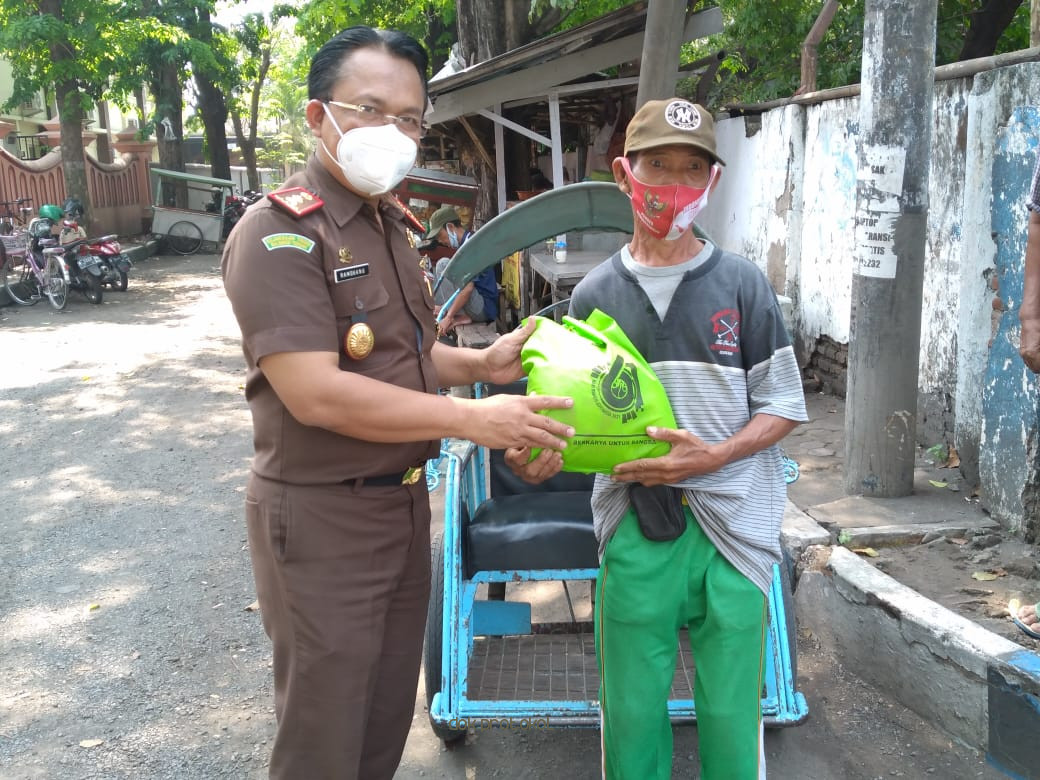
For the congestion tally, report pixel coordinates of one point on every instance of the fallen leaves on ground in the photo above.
(870, 552)
(987, 576)
(89, 743)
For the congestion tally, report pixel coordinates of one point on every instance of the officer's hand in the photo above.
(688, 457)
(1029, 344)
(504, 421)
(547, 464)
(503, 357)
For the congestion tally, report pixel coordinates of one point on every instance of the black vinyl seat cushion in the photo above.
(532, 531)
(524, 526)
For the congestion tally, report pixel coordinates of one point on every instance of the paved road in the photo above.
(124, 577)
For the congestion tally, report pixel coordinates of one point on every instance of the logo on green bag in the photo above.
(615, 389)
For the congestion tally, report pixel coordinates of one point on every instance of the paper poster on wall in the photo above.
(875, 244)
(880, 180)
(882, 169)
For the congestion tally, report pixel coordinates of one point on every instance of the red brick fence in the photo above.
(120, 192)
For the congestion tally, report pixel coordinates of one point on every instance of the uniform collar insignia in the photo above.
(298, 201)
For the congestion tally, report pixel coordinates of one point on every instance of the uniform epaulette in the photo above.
(410, 219)
(297, 201)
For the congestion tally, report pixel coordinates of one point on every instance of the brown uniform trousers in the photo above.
(343, 579)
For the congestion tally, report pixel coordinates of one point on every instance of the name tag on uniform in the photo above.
(351, 272)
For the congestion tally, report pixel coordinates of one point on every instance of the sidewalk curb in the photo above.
(139, 252)
(980, 688)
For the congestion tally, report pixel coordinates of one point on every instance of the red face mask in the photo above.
(667, 210)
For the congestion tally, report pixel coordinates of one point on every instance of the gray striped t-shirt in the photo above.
(723, 355)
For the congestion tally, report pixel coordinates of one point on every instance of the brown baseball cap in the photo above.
(671, 121)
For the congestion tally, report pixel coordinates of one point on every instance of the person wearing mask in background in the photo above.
(343, 368)
(689, 538)
(478, 300)
(1028, 615)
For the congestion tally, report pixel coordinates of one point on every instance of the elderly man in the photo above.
(343, 369)
(690, 538)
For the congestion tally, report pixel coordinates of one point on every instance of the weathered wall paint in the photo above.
(994, 96)
(1008, 445)
(787, 201)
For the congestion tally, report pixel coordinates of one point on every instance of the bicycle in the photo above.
(37, 271)
(8, 218)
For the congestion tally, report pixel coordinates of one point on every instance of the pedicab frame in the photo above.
(457, 617)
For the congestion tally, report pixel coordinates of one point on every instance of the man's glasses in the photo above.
(370, 115)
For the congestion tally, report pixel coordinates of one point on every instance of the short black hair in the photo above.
(327, 63)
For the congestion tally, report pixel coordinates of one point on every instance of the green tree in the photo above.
(71, 48)
(430, 21)
(283, 103)
(762, 42)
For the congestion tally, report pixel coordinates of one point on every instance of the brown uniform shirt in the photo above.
(296, 284)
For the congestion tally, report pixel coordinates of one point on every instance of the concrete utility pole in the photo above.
(661, 47)
(1034, 23)
(895, 119)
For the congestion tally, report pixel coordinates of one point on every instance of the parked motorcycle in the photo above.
(117, 261)
(115, 264)
(235, 206)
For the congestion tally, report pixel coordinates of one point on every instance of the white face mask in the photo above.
(374, 160)
(453, 239)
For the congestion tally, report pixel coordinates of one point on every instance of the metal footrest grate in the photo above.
(549, 666)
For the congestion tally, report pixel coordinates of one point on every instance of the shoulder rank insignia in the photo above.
(298, 201)
(410, 219)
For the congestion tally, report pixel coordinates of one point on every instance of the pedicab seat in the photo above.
(530, 527)
(539, 531)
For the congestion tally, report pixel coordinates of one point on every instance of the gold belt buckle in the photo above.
(412, 475)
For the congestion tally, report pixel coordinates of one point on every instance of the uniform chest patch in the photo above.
(351, 272)
(288, 240)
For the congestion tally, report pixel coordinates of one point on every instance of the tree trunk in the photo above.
(987, 25)
(247, 146)
(486, 30)
(214, 111)
(167, 91)
(70, 117)
(212, 107)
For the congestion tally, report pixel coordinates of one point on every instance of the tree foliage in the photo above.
(101, 37)
(762, 42)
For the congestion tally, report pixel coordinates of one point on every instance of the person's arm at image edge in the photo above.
(1029, 312)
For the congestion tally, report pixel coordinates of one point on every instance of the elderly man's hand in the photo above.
(547, 464)
(1029, 344)
(688, 457)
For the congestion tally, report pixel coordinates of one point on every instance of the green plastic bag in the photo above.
(616, 393)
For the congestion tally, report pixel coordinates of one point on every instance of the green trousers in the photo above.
(646, 592)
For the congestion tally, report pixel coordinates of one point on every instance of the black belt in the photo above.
(406, 477)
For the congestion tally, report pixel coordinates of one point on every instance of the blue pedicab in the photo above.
(486, 662)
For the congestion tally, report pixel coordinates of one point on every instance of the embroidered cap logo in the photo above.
(682, 115)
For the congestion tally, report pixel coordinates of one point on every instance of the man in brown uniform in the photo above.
(343, 368)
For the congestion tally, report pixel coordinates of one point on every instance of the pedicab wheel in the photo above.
(184, 237)
(433, 645)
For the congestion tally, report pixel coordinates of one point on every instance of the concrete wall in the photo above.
(787, 200)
